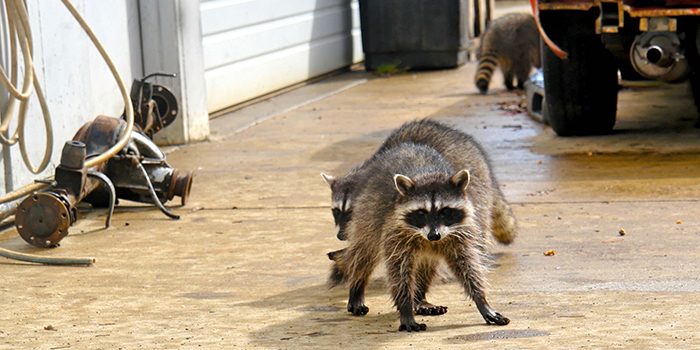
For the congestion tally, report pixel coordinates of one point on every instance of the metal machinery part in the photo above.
(166, 181)
(659, 56)
(43, 219)
(139, 172)
(155, 107)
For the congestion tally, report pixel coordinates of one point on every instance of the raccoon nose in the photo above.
(341, 235)
(433, 236)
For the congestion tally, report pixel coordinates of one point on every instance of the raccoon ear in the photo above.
(461, 179)
(329, 179)
(403, 184)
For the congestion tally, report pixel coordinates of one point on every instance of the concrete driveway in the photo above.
(245, 267)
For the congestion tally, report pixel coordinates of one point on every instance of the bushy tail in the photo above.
(338, 271)
(503, 223)
(487, 66)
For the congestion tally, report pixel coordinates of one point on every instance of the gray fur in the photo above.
(458, 148)
(513, 43)
(380, 230)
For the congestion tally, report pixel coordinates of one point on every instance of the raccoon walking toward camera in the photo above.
(511, 42)
(458, 148)
(414, 211)
(462, 152)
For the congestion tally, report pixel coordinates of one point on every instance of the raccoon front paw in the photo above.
(427, 309)
(412, 327)
(358, 310)
(497, 318)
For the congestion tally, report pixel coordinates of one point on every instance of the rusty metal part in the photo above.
(578, 6)
(154, 196)
(690, 9)
(180, 185)
(661, 12)
(167, 181)
(138, 172)
(155, 107)
(166, 102)
(43, 219)
(100, 134)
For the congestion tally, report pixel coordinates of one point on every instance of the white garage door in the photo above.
(253, 47)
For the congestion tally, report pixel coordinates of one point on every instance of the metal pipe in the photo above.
(9, 208)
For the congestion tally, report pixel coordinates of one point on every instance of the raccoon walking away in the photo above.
(414, 211)
(458, 148)
(513, 43)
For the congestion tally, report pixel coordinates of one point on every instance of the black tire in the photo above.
(581, 91)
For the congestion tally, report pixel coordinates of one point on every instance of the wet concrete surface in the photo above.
(245, 267)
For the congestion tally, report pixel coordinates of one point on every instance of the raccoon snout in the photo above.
(433, 236)
(342, 235)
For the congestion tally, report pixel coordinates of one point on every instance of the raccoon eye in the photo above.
(336, 213)
(417, 218)
(451, 216)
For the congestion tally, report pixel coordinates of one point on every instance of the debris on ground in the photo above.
(550, 253)
(513, 107)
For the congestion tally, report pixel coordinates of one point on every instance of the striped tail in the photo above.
(503, 225)
(487, 66)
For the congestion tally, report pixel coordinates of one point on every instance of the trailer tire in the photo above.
(581, 91)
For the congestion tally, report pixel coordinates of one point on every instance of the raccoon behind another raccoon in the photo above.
(513, 43)
(414, 211)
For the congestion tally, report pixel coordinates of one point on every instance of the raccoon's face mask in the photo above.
(436, 223)
(436, 211)
(341, 218)
(341, 205)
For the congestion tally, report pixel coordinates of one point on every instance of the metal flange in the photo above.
(42, 220)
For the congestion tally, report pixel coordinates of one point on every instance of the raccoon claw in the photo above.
(497, 319)
(358, 310)
(412, 327)
(428, 309)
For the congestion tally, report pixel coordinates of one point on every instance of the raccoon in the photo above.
(513, 43)
(341, 198)
(460, 150)
(416, 210)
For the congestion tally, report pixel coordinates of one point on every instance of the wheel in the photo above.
(581, 91)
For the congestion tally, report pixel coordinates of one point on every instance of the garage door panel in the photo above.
(251, 78)
(222, 15)
(254, 47)
(245, 43)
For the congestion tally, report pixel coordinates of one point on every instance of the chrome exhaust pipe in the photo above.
(659, 56)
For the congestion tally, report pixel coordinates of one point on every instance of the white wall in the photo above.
(253, 47)
(77, 83)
